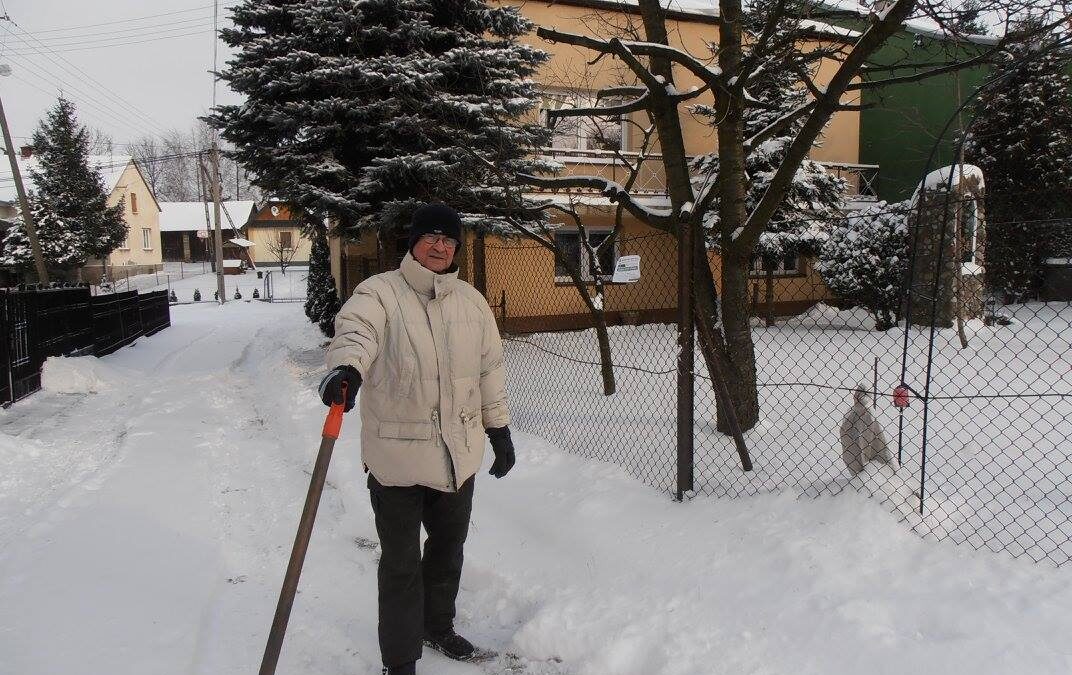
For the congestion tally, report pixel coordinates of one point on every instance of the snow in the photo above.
(76, 375)
(190, 216)
(829, 29)
(939, 179)
(186, 278)
(145, 528)
(999, 469)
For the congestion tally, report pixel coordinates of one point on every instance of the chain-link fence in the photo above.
(978, 452)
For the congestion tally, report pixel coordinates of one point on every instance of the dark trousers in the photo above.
(417, 594)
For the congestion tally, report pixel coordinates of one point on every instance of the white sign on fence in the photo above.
(627, 271)
(202, 234)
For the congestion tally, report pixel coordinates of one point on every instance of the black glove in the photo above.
(503, 448)
(331, 386)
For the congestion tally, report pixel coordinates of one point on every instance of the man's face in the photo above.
(435, 251)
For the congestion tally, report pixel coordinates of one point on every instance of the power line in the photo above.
(117, 44)
(199, 8)
(86, 99)
(142, 31)
(64, 87)
(118, 99)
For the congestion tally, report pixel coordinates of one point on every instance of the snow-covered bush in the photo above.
(865, 259)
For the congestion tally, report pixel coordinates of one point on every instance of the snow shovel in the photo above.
(332, 427)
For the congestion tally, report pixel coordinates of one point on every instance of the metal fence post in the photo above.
(685, 360)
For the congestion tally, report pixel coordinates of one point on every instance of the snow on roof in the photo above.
(239, 241)
(190, 216)
(920, 25)
(111, 168)
(939, 178)
(829, 29)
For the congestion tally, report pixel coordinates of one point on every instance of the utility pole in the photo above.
(214, 182)
(27, 217)
(214, 157)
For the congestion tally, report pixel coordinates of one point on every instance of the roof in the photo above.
(918, 25)
(190, 216)
(111, 168)
(706, 11)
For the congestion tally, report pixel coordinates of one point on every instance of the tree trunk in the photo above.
(606, 366)
(740, 350)
(770, 295)
(480, 266)
(599, 318)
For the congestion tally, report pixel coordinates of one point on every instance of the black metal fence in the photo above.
(39, 323)
(958, 418)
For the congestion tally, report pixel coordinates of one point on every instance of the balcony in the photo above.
(651, 181)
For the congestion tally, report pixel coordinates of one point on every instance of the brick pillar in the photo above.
(926, 223)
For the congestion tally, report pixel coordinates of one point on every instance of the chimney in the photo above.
(26, 151)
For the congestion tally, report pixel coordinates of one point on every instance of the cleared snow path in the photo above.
(148, 502)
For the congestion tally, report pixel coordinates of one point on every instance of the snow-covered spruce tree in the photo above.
(362, 110)
(1021, 138)
(69, 202)
(322, 303)
(69, 188)
(865, 259)
(61, 246)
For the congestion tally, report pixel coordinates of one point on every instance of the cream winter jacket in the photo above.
(431, 364)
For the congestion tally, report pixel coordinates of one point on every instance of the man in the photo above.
(424, 348)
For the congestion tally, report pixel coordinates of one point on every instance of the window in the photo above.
(146, 239)
(786, 267)
(968, 224)
(286, 239)
(133, 203)
(569, 243)
(582, 133)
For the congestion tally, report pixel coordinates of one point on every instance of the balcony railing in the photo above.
(859, 178)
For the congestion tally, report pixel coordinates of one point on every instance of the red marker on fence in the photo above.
(900, 396)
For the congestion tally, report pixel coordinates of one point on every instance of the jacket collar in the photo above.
(426, 282)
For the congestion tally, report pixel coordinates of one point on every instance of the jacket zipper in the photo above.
(439, 438)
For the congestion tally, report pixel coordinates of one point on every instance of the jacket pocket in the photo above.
(413, 431)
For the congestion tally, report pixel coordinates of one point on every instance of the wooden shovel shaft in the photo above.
(297, 558)
(332, 427)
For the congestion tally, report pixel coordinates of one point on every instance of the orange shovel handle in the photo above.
(333, 423)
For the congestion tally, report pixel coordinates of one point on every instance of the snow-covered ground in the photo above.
(999, 470)
(185, 278)
(148, 502)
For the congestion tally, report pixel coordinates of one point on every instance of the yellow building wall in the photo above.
(132, 251)
(569, 68)
(524, 271)
(264, 237)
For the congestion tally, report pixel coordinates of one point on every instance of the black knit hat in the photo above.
(435, 219)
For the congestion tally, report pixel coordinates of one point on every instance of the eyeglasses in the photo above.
(433, 239)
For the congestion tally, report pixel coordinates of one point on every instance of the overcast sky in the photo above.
(132, 67)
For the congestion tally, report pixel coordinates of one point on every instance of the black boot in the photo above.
(405, 669)
(451, 645)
